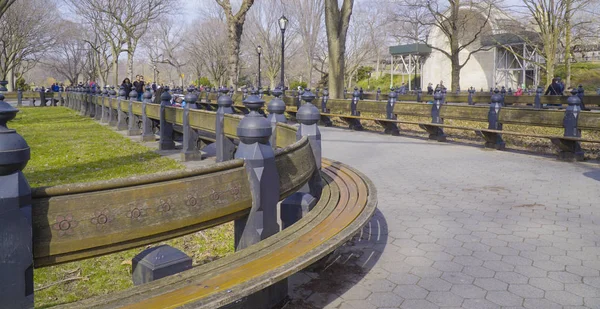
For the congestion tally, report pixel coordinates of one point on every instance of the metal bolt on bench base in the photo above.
(158, 262)
(16, 245)
(570, 150)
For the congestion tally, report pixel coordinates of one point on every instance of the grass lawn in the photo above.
(67, 148)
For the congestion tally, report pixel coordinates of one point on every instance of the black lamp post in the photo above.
(282, 24)
(259, 51)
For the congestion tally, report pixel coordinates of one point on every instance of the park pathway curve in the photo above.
(461, 227)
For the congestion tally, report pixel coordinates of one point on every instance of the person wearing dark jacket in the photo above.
(127, 86)
(139, 86)
(555, 88)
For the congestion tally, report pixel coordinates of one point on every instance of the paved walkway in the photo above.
(462, 227)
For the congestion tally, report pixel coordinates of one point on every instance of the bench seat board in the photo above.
(347, 204)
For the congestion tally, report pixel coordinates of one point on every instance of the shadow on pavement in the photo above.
(322, 283)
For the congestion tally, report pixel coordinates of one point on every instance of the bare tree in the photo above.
(309, 16)
(548, 17)
(25, 35)
(69, 56)
(102, 23)
(208, 46)
(4, 4)
(235, 26)
(134, 17)
(460, 24)
(337, 21)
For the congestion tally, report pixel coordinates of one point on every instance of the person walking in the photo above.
(127, 86)
(139, 86)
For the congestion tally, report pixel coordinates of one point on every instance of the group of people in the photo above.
(557, 87)
(138, 85)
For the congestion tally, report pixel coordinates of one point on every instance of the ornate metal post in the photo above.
(325, 119)
(378, 95)
(254, 132)
(300, 203)
(538, 98)
(121, 115)
(435, 132)
(16, 245)
(166, 128)
(569, 148)
(276, 108)
(391, 127)
(133, 127)
(19, 97)
(493, 139)
(189, 150)
(147, 132)
(224, 145)
(580, 93)
(471, 92)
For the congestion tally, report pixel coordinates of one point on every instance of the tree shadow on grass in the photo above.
(80, 172)
(323, 282)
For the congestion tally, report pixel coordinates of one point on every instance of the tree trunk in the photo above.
(336, 23)
(568, 26)
(310, 71)
(336, 69)
(235, 36)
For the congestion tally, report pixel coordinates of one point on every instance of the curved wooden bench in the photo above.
(348, 201)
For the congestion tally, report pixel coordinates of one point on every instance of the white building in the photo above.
(505, 59)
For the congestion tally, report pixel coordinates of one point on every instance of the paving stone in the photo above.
(504, 298)
(409, 291)
(491, 284)
(445, 299)
(434, 284)
(511, 277)
(464, 224)
(526, 291)
(319, 300)
(530, 271)
(546, 284)
(447, 266)
(378, 285)
(457, 278)
(498, 266)
(386, 299)
(418, 261)
(564, 298)
(582, 271)
(418, 304)
(478, 272)
(565, 277)
(582, 290)
(403, 278)
(468, 291)
(425, 272)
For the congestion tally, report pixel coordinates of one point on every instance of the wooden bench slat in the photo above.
(199, 274)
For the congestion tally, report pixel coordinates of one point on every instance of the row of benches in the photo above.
(347, 201)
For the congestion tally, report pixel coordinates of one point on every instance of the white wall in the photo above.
(478, 72)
